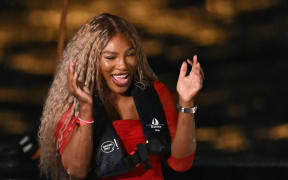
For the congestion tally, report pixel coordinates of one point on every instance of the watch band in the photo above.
(191, 110)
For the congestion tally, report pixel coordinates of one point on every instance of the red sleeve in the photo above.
(169, 106)
(64, 132)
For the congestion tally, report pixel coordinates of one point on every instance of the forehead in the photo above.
(118, 42)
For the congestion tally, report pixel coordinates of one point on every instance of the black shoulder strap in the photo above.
(153, 119)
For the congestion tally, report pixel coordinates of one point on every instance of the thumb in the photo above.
(183, 70)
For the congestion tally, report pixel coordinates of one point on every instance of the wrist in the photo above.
(85, 111)
(82, 122)
(186, 104)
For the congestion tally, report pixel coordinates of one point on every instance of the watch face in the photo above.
(187, 110)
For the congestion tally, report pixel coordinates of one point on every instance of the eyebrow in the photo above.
(109, 52)
(113, 52)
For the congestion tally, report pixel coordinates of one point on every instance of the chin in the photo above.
(118, 89)
(121, 90)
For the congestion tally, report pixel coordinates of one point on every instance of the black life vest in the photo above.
(110, 158)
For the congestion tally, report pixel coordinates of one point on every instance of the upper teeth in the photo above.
(121, 76)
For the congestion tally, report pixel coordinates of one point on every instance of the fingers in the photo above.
(70, 76)
(196, 67)
(183, 70)
(194, 62)
(73, 83)
(77, 88)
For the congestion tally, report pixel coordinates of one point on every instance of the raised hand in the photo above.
(82, 94)
(189, 86)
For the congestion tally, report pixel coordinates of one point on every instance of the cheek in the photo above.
(133, 64)
(105, 67)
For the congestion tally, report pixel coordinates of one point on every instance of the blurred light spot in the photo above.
(278, 132)
(226, 138)
(186, 27)
(209, 36)
(183, 23)
(11, 122)
(220, 7)
(21, 95)
(77, 18)
(230, 138)
(227, 9)
(100, 6)
(152, 47)
(13, 35)
(5, 36)
(206, 134)
(252, 5)
(138, 11)
(103, 5)
(32, 65)
(45, 18)
(237, 110)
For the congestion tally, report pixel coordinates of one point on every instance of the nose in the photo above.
(122, 63)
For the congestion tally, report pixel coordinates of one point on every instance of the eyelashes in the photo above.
(110, 57)
(114, 57)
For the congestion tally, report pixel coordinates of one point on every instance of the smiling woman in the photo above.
(107, 115)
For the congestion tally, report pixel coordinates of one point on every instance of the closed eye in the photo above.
(110, 57)
(131, 53)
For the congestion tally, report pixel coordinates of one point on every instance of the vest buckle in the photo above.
(143, 156)
(139, 157)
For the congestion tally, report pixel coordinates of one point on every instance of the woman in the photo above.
(104, 66)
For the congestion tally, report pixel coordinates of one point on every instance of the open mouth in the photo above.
(121, 79)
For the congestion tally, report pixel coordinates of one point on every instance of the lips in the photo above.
(121, 79)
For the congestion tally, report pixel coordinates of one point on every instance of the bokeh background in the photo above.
(242, 126)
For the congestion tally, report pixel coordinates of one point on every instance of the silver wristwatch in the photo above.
(191, 110)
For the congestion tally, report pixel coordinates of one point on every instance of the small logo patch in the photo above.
(109, 146)
(155, 125)
(155, 121)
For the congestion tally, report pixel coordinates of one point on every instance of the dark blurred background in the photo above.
(242, 126)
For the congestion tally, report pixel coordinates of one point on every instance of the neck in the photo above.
(119, 105)
(116, 97)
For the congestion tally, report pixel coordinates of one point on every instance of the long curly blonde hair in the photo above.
(85, 49)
